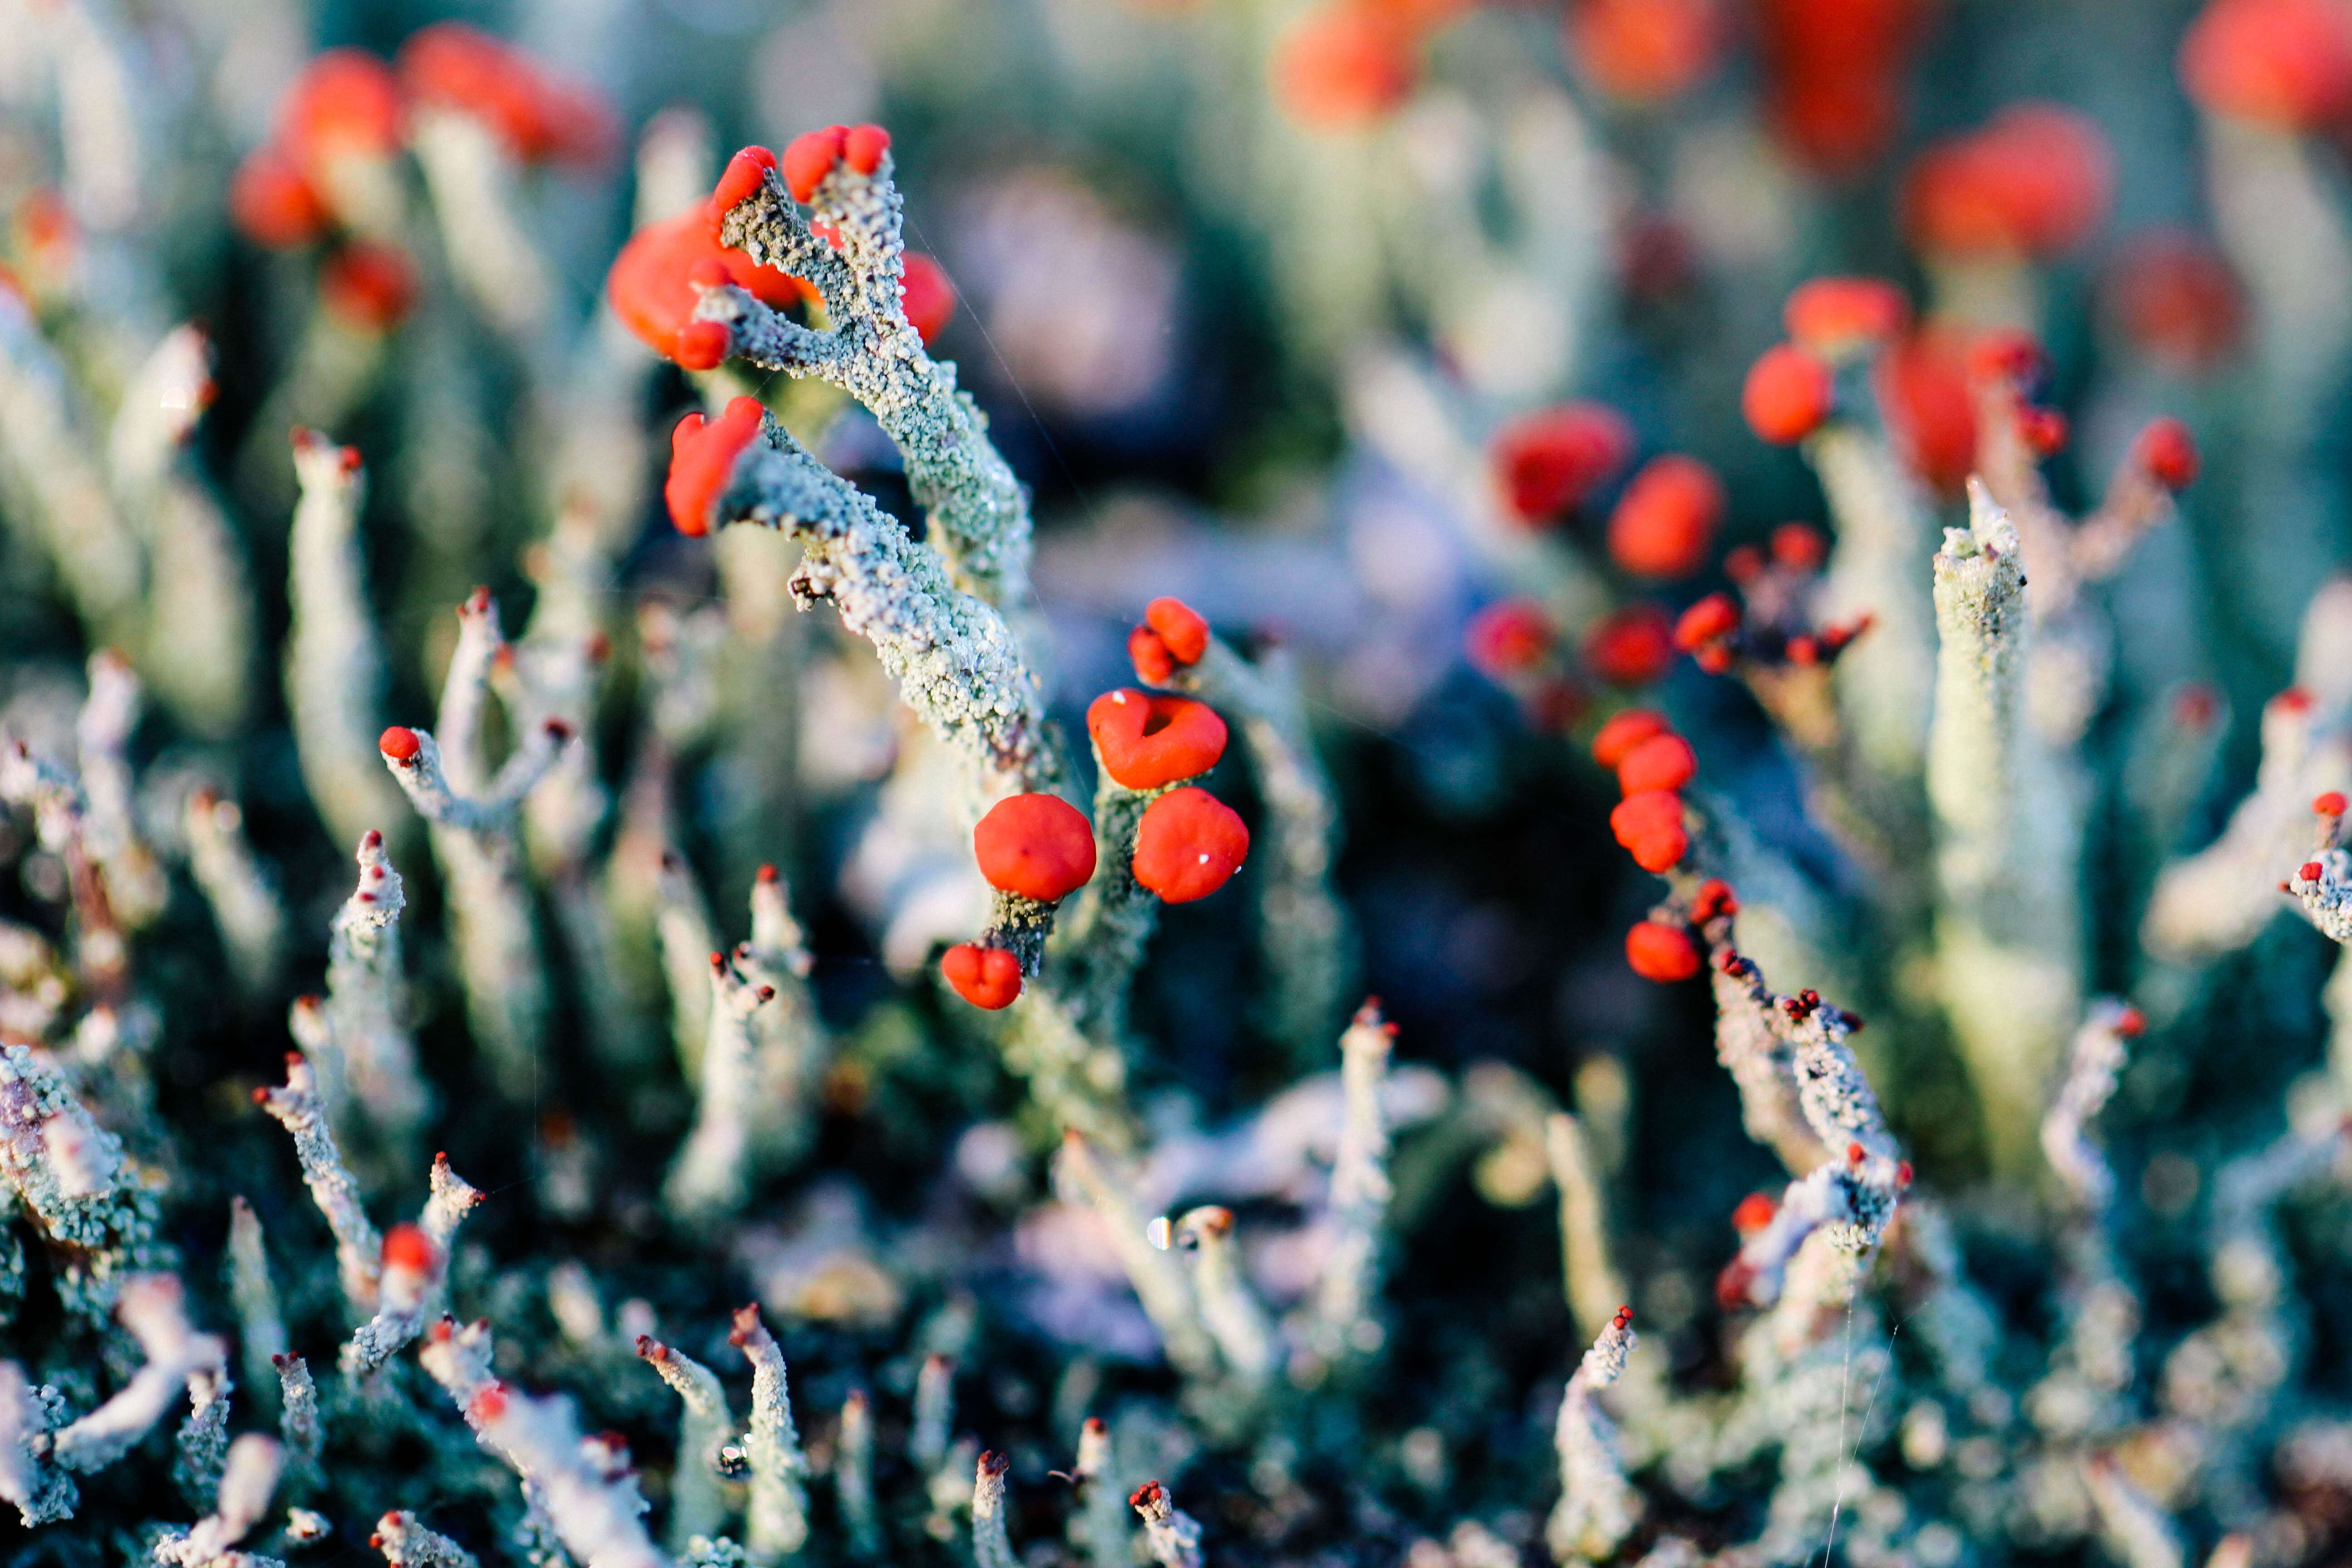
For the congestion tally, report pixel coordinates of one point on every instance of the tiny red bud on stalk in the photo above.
(1903, 1173)
(809, 157)
(2169, 454)
(1624, 731)
(2310, 871)
(400, 743)
(1712, 619)
(2005, 354)
(1547, 462)
(1854, 1154)
(1181, 627)
(1631, 646)
(702, 461)
(1661, 952)
(1827, 314)
(1800, 546)
(986, 977)
(368, 285)
(1714, 900)
(1189, 845)
(2132, 1024)
(1039, 846)
(1506, 638)
(273, 203)
(1650, 826)
(1154, 665)
(2043, 429)
(1753, 1212)
(407, 1247)
(1787, 395)
(2331, 804)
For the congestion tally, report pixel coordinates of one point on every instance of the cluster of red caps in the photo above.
(1652, 764)
(1188, 843)
(1834, 73)
(655, 281)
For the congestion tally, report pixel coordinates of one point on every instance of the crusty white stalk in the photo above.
(1076, 1082)
(406, 1542)
(1303, 929)
(249, 1479)
(1162, 1286)
(136, 887)
(788, 1038)
(365, 1018)
(42, 1492)
(697, 1506)
(335, 667)
(150, 1307)
(412, 1278)
(978, 511)
(775, 1522)
(1598, 1506)
(241, 893)
(53, 797)
(927, 1437)
(202, 1442)
(1342, 1320)
(2094, 1068)
(1099, 944)
(712, 1175)
(1229, 1308)
(1884, 524)
(359, 1248)
(260, 1326)
(473, 181)
(2136, 1527)
(298, 1421)
(71, 1174)
(992, 1544)
(955, 657)
(1102, 1526)
(1592, 1283)
(682, 928)
(2008, 925)
(584, 1490)
(1170, 1534)
(477, 839)
(852, 1476)
(1752, 1046)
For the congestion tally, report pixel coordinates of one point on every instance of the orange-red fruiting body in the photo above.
(1832, 314)
(2006, 353)
(986, 977)
(1666, 519)
(702, 456)
(1624, 731)
(1714, 900)
(1545, 463)
(929, 298)
(1650, 826)
(2169, 454)
(407, 1247)
(1661, 952)
(2283, 64)
(1039, 846)
(1787, 393)
(1507, 637)
(652, 288)
(2309, 871)
(1147, 739)
(1800, 545)
(1154, 665)
(400, 743)
(2034, 181)
(2331, 804)
(537, 115)
(744, 174)
(346, 103)
(272, 204)
(1181, 626)
(1660, 763)
(369, 285)
(1631, 646)
(1643, 50)
(1753, 1212)
(1189, 845)
(2042, 429)
(2177, 299)
(809, 157)
(863, 147)
(1345, 66)
(1923, 383)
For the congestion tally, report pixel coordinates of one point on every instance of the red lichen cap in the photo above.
(1616, 739)
(1545, 463)
(2006, 353)
(1923, 383)
(407, 1247)
(2310, 871)
(1181, 626)
(809, 157)
(369, 286)
(2169, 454)
(1345, 66)
(1039, 846)
(1189, 845)
(2176, 300)
(1154, 665)
(2331, 804)
(1830, 315)
(929, 298)
(1787, 393)
(2034, 181)
(1631, 646)
(537, 114)
(986, 977)
(1753, 1212)
(745, 174)
(652, 288)
(1147, 739)
(400, 743)
(2044, 430)
(346, 103)
(1506, 638)
(272, 204)
(2285, 64)
(1666, 519)
(1661, 952)
(1650, 826)
(702, 456)
(1643, 51)
(1712, 901)
(1661, 762)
